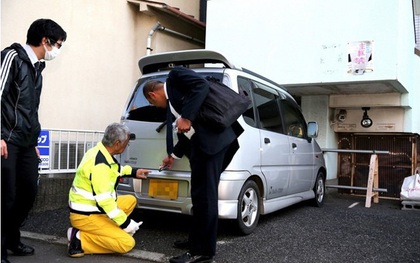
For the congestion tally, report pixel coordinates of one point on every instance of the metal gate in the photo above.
(402, 160)
(62, 150)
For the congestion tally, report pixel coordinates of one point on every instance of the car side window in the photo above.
(249, 115)
(294, 122)
(266, 102)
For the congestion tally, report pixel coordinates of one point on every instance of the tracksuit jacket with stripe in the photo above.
(94, 186)
(20, 91)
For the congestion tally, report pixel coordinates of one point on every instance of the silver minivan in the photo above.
(279, 163)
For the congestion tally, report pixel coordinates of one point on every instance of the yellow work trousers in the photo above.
(100, 235)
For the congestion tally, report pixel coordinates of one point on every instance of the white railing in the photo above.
(62, 150)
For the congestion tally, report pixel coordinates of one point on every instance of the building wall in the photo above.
(87, 85)
(306, 43)
(408, 71)
(287, 40)
(316, 108)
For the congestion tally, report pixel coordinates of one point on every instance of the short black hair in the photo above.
(44, 28)
(150, 87)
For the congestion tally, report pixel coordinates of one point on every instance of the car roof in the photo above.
(160, 61)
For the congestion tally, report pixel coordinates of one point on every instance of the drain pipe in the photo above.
(181, 35)
(157, 26)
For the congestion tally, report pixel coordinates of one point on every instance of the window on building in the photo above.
(416, 13)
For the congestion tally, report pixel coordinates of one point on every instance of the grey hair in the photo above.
(115, 132)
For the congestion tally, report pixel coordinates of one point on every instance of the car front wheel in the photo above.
(319, 190)
(248, 207)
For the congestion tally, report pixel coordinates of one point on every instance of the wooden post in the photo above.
(373, 181)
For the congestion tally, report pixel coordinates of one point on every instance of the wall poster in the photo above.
(360, 54)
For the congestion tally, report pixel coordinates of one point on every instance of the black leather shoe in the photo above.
(182, 244)
(22, 250)
(188, 258)
(5, 261)
(75, 245)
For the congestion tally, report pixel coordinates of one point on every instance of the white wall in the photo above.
(286, 40)
(306, 42)
(315, 108)
(409, 69)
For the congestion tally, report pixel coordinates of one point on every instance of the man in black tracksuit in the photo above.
(21, 85)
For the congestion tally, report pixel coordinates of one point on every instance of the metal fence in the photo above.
(62, 150)
(402, 160)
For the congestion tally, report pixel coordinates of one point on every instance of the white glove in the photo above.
(133, 227)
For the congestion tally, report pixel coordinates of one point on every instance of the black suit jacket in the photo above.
(186, 92)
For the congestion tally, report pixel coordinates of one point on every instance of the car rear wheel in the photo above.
(319, 190)
(248, 207)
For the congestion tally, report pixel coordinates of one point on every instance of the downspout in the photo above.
(149, 37)
(158, 26)
(181, 35)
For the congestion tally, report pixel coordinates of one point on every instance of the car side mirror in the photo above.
(312, 129)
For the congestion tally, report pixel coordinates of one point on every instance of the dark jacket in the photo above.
(186, 91)
(20, 96)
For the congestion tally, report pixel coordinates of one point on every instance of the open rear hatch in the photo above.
(165, 61)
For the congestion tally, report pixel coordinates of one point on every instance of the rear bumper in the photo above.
(228, 196)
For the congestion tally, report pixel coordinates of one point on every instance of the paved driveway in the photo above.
(342, 231)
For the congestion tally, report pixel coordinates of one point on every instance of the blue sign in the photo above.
(44, 148)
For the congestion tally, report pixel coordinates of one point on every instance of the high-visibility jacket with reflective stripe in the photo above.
(95, 183)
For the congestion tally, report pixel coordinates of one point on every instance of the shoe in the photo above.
(189, 258)
(5, 261)
(75, 245)
(22, 250)
(182, 244)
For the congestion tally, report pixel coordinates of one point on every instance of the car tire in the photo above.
(248, 208)
(319, 190)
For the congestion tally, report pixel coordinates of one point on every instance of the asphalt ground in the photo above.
(341, 231)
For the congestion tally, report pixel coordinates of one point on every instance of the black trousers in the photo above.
(19, 186)
(205, 177)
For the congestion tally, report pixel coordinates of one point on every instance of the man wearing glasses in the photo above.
(21, 85)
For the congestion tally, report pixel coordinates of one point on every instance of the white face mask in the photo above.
(50, 55)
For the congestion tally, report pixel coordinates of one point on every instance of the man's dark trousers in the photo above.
(205, 177)
(19, 185)
(210, 153)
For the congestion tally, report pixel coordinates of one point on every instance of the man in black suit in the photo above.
(209, 153)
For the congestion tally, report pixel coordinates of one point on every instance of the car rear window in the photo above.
(139, 108)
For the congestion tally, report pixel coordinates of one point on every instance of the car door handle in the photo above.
(132, 136)
(294, 146)
(266, 140)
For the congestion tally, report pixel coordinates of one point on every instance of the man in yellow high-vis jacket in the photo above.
(99, 218)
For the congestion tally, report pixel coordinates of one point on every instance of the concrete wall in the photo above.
(306, 42)
(87, 85)
(316, 108)
(285, 39)
(409, 68)
(287, 42)
(53, 192)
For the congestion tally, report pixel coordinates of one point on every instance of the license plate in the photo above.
(165, 189)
